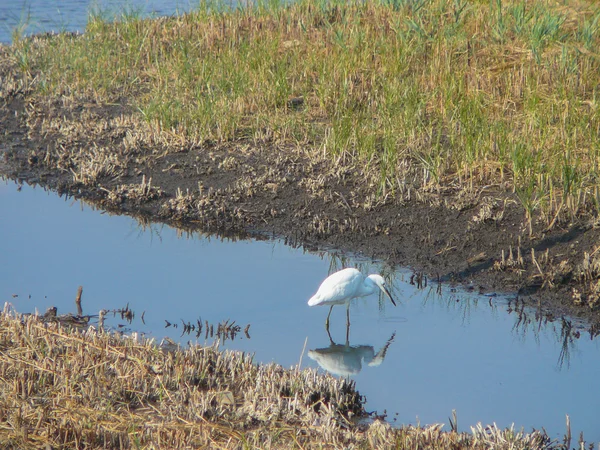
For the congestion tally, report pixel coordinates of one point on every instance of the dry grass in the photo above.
(73, 389)
(68, 388)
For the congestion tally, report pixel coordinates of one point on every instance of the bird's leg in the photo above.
(347, 322)
(327, 321)
(348, 314)
(347, 334)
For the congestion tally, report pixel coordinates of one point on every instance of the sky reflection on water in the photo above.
(443, 350)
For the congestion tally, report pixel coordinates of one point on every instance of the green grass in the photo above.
(448, 94)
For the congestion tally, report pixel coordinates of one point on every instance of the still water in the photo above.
(442, 350)
(37, 16)
(436, 352)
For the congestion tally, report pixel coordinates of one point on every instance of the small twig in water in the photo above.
(78, 301)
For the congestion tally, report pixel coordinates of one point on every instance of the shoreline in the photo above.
(97, 389)
(272, 163)
(453, 160)
(441, 242)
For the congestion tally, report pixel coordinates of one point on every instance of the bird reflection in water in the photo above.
(345, 360)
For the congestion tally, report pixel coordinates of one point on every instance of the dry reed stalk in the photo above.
(78, 301)
(67, 388)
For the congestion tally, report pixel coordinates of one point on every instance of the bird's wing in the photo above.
(340, 286)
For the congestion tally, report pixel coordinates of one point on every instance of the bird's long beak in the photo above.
(389, 295)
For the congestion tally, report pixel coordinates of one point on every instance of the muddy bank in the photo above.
(108, 155)
(261, 184)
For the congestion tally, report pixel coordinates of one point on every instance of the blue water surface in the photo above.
(26, 17)
(443, 350)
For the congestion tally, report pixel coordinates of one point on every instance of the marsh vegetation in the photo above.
(430, 95)
(364, 125)
(68, 388)
(486, 108)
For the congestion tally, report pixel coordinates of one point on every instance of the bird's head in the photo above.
(380, 282)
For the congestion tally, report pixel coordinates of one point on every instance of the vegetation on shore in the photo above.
(67, 388)
(432, 96)
(431, 99)
(332, 116)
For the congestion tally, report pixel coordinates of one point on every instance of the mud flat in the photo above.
(345, 127)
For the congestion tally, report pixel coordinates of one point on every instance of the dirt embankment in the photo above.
(108, 155)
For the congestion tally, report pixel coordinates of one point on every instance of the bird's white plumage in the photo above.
(343, 286)
(338, 288)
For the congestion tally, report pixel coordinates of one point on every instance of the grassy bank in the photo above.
(440, 95)
(72, 389)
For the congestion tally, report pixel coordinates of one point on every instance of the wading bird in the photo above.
(341, 287)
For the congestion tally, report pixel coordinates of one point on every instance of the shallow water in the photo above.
(37, 16)
(447, 350)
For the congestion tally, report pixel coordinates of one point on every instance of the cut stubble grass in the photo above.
(450, 95)
(69, 388)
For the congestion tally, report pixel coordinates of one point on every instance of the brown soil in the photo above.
(262, 188)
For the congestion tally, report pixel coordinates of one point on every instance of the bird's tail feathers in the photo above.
(314, 300)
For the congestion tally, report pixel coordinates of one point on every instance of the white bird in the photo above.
(345, 285)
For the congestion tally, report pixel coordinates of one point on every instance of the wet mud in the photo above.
(106, 154)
